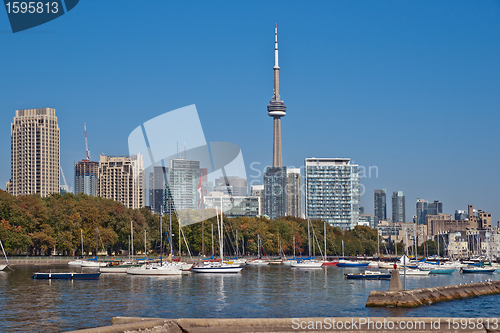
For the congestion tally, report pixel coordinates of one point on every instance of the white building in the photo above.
(332, 191)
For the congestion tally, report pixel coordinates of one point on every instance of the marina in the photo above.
(260, 291)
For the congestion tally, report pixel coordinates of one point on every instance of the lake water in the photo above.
(257, 292)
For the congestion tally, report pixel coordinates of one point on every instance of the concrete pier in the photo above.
(427, 296)
(262, 325)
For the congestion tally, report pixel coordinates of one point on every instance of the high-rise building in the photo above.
(87, 177)
(275, 200)
(157, 181)
(183, 183)
(380, 205)
(293, 191)
(434, 208)
(276, 107)
(461, 215)
(398, 207)
(35, 153)
(258, 191)
(422, 211)
(232, 185)
(122, 179)
(332, 191)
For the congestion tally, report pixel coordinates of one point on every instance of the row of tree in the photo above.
(32, 225)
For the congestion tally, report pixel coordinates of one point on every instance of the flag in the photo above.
(199, 191)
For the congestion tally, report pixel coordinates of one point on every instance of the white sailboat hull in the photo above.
(217, 269)
(307, 264)
(156, 270)
(2, 267)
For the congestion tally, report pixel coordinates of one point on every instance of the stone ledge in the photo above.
(262, 325)
(427, 296)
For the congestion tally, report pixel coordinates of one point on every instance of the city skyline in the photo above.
(384, 63)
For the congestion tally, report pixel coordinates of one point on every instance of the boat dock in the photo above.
(426, 296)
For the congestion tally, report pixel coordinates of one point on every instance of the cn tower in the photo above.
(276, 107)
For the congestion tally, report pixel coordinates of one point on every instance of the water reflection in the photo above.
(258, 292)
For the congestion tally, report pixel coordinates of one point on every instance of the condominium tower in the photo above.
(35, 153)
(293, 191)
(380, 205)
(332, 191)
(122, 179)
(87, 177)
(183, 183)
(398, 207)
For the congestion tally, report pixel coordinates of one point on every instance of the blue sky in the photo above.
(409, 87)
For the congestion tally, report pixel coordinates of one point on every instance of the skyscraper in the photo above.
(87, 177)
(434, 208)
(293, 191)
(157, 181)
(35, 153)
(276, 107)
(421, 211)
(380, 205)
(398, 207)
(275, 200)
(232, 185)
(332, 191)
(258, 191)
(122, 179)
(183, 183)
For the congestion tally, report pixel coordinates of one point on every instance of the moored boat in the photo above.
(369, 275)
(307, 264)
(156, 269)
(478, 270)
(350, 263)
(66, 276)
(217, 267)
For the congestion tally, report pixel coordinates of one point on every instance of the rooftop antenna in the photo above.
(185, 150)
(177, 149)
(86, 143)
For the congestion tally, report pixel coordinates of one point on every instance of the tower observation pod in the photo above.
(276, 107)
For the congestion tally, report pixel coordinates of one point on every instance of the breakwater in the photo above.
(426, 296)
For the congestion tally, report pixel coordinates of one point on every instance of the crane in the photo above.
(66, 187)
(86, 144)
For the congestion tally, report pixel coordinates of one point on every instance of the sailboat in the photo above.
(350, 263)
(160, 268)
(94, 262)
(326, 262)
(258, 261)
(307, 263)
(218, 266)
(289, 262)
(77, 262)
(2, 267)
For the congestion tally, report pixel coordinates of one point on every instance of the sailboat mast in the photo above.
(161, 239)
(324, 227)
(170, 231)
(81, 235)
(309, 238)
(145, 250)
(212, 239)
(132, 238)
(293, 247)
